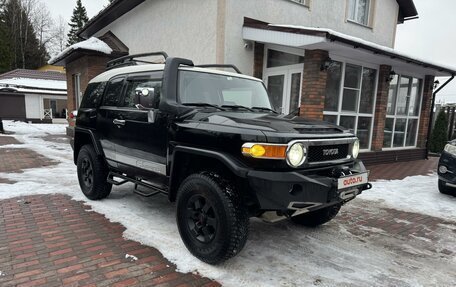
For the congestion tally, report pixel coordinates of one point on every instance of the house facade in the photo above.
(330, 60)
(33, 95)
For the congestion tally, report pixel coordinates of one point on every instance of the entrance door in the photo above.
(284, 87)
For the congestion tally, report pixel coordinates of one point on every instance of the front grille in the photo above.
(327, 152)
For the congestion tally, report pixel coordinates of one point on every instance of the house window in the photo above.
(77, 89)
(303, 2)
(350, 99)
(359, 11)
(402, 112)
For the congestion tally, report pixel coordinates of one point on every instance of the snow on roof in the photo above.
(365, 43)
(92, 44)
(34, 83)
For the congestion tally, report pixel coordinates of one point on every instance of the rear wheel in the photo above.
(212, 220)
(92, 174)
(318, 217)
(446, 189)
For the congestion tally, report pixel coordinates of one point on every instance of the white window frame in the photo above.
(305, 3)
(357, 115)
(355, 16)
(77, 89)
(407, 116)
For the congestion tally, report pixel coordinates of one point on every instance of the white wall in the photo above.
(33, 105)
(183, 28)
(322, 13)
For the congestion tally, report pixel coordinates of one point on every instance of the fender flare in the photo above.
(94, 139)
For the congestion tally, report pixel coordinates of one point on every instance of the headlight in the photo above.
(449, 148)
(355, 149)
(296, 155)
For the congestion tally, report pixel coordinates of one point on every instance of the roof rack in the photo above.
(221, 66)
(132, 60)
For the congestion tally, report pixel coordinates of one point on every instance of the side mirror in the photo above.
(146, 100)
(145, 97)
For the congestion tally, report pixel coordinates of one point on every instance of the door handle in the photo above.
(118, 122)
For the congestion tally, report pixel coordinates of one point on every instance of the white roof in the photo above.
(106, 76)
(398, 60)
(92, 44)
(40, 86)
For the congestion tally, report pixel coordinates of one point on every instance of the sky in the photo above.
(65, 7)
(430, 37)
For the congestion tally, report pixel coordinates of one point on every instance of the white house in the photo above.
(32, 95)
(331, 59)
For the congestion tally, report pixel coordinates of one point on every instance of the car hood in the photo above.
(267, 123)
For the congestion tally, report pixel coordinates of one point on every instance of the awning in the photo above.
(342, 45)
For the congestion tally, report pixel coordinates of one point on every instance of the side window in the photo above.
(113, 92)
(93, 94)
(137, 86)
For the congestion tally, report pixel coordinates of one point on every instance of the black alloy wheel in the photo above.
(201, 218)
(211, 217)
(87, 172)
(92, 174)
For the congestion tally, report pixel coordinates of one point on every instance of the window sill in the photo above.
(300, 4)
(359, 24)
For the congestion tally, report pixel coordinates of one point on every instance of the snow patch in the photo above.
(92, 44)
(131, 257)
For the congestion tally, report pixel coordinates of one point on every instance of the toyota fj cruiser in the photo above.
(210, 141)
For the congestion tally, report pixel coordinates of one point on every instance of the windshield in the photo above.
(221, 90)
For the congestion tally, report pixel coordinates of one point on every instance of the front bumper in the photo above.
(309, 189)
(449, 161)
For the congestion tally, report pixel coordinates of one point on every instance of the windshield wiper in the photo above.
(264, 109)
(204, 105)
(237, 107)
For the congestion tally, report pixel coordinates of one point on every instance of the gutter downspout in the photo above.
(431, 116)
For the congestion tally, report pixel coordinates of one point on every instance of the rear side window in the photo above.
(93, 95)
(113, 92)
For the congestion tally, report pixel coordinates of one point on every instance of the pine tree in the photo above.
(439, 136)
(78, 20)
(4, 43)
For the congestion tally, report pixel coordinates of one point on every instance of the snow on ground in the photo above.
(276, 254)
(416, 193)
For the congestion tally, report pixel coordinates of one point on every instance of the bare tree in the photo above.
(43, 23)
(59, 37)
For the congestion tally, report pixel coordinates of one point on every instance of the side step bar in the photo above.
(154, 190)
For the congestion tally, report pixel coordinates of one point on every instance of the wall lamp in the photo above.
(436, 84)
(326, 64)
(390, 76)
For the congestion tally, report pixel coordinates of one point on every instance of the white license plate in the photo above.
(352, 180)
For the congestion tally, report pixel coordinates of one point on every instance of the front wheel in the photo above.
(446, 189)
(92, 174)
(318, 217)
(212, 220)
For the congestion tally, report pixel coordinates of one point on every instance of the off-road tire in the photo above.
(318, 217)
(446, 189)
(92, 174)
(221, 202)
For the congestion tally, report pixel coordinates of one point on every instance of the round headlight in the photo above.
(355, 150)
(296, 155)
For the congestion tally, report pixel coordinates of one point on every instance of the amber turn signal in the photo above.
(266, 151)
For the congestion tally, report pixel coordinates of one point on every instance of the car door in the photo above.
(142, 146)
(109, 119)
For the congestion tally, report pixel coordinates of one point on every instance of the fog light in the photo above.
(443, 169)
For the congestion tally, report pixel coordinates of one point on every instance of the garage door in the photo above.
(12, 106)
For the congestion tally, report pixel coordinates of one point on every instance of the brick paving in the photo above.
(401, 170)
(51, 240)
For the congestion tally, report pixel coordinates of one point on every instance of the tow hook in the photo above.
(367, 186)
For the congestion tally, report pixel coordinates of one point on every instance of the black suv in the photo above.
(210, 141)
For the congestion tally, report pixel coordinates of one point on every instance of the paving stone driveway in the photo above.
(51, 240)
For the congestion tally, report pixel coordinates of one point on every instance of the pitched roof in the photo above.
(33, 74)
